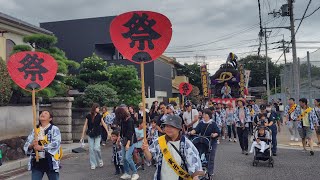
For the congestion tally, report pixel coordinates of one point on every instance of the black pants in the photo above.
(233, 129)
(104, 134)
(118, 168)
(243, 138)
(250, 128)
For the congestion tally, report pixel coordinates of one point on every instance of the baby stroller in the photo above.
(203, 145)
(267, 154)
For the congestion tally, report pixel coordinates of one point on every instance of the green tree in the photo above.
(192, 71)
(100, 93)
(46, 44)
(5, 84)
(195, 95)
(126, 83)
(315, 71)
(92, 70)
(257, 65)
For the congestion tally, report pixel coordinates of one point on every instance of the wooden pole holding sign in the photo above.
(32, 71)
(143, 96)
(125, 32)
(34, 112)
(182, 100)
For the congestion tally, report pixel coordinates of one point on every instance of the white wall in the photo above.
(15, 121)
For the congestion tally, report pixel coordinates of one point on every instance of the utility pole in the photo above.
(275, 85)
(309, 76)
(284, 50)
(296, 78)
(267, 63)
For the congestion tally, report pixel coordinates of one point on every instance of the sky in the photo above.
(203, 30)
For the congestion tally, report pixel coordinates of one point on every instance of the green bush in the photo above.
(5, 84)
(41, 40)
(76, 83)
(19, 48)
(102, 94)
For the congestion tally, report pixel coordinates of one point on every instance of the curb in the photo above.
(22, 163)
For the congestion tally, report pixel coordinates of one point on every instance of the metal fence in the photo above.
(309, 73)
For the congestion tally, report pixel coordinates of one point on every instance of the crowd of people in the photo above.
(167, 142)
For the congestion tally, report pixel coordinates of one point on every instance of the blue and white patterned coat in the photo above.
(52, 148)
(217, 118)
(311, 116)
(247, 117)
(109, 119)
(186, 148)
(256, 109)
(286, 111)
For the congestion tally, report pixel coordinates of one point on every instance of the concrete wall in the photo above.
(15, 121)
(78, 119)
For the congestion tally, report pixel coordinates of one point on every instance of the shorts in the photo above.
(305, 132)
(318, 130)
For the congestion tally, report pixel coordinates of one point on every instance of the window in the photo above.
(9, 48)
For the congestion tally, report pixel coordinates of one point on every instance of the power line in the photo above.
(303, 16)
(222, 38)
(215, 49)
(260, 33)
(310, 13)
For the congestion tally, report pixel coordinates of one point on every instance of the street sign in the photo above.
(185, 88)
(141, 36)
(32, 70)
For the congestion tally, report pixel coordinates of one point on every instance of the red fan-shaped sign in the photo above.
(32, 70)
(141, 36)
(185, 88)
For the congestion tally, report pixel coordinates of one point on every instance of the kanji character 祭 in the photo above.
(185, 88)
(141, 36)
(32, 66)
(140, 30)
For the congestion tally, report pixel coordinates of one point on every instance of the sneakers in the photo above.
(296, 139)
(223, 138)
(292, 138)
(135, 177)
(125, 176)
(311, 153)
(235, 140)
(103, 143)
(274, 154)
(101, 164)
(93, 167)
(218, 142)
(149, 163)
(230, 139)
(246, 152)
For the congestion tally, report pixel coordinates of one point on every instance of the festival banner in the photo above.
(225, 101)
(204, 80)
(247, 77)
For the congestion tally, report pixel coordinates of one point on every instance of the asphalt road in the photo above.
(230, 165)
